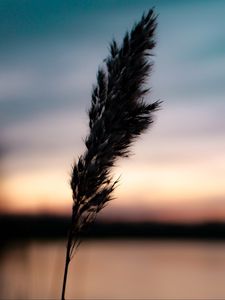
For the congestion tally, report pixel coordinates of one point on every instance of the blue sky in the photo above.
(49, 55)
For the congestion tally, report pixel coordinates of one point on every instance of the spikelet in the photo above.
(117, 116)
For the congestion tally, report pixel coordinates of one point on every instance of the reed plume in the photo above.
(117, 116)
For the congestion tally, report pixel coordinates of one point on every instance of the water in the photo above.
(115, 269)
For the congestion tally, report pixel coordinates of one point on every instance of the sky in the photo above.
(49, 54)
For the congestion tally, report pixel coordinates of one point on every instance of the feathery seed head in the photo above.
(117, 116)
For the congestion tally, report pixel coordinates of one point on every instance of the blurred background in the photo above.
(163, 235)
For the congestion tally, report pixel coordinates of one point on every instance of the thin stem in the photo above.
(68, 249)
(67, 261)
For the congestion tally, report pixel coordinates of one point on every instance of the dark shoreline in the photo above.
(54, 227)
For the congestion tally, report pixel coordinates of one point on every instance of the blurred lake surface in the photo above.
(114, 269)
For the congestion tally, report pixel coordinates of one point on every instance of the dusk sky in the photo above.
(49, 54)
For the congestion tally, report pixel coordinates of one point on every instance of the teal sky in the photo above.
(49, 55)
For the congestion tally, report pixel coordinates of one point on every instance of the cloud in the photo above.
(54, 139)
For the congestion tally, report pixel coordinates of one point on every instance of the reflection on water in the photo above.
(115, 269)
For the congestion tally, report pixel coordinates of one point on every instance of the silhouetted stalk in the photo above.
(117, 116)
(67, 261)
(70, 241)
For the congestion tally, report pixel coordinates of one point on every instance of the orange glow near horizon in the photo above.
(187, 192)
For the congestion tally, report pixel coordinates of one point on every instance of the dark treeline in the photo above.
(54, 227)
